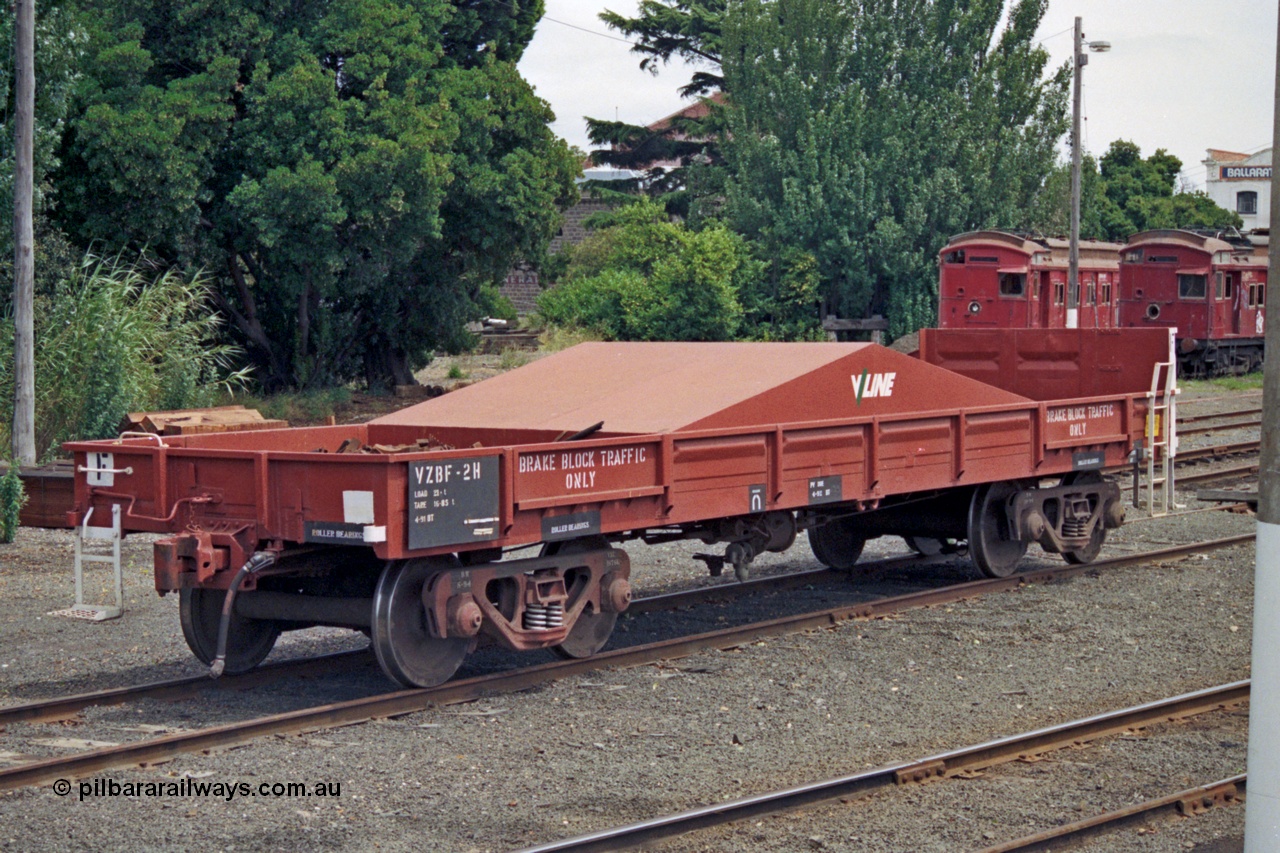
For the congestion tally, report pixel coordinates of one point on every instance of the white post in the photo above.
(1262, 807)
(1073, 257)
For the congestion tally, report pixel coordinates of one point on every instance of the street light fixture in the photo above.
(1081, 59)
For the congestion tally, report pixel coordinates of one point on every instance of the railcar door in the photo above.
(1253, 288)
(1227, 302)
(1107, 309)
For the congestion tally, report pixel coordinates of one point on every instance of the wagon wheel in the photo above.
(994, 553)
(405, 648)
(592, 628)
(929, 546)
(248, 640)
(1088, 553)
(837, 544)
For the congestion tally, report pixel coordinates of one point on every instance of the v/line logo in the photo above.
(873, 385)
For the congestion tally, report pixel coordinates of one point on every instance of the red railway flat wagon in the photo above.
(398, 526)
(996, 279)
(1210, 286)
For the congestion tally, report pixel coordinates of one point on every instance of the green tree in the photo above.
(865, 134)
(690, 30)
(358, 174)
(1138, 194)
(642, 277)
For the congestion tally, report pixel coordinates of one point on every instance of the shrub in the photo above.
(116, 338)
(645, 278)
(12, 498)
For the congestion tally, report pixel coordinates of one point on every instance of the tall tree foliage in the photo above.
(357, 174)
(862, 133)
(1138, 194)
(691, 31)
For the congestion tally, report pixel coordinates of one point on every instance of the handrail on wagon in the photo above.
(137, 434)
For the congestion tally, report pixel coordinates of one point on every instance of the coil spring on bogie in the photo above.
(1076, 523)
(543, 617)
(1074, 528)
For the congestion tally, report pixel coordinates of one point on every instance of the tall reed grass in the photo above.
(116, 337)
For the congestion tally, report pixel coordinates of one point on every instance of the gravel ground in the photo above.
(624, 745)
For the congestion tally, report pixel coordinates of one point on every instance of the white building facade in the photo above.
(1241, 182)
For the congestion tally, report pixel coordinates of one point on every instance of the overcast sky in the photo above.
(1184, 75)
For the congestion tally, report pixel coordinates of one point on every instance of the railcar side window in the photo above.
(1217, 285)
(1059, 293)
(1090, 293)
(1247, 202)
(1105, 286)
(1257, 294)
(1013, 284)
(1191, 286)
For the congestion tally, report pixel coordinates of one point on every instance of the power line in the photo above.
(516, 8)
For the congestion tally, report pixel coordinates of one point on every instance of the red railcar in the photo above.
(1210, 286)
(998, 279)
(996, 437)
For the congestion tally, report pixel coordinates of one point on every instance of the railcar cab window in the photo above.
(1133, 256)
(1013, 284)
(956, 256)
(1247, 202)
(1191, 286)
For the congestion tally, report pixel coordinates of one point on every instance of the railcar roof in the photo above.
(641, 388)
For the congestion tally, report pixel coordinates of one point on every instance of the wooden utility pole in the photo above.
(24, 381)
(1262, 813)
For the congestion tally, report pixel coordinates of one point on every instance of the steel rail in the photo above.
(66, 707)
(1206, 429)
(1191, 419)
(964, 760)
(1213, 451)
(408, 701)
(1220, 474)
(1192, 801)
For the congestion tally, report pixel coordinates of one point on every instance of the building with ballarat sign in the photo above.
(1241, 182)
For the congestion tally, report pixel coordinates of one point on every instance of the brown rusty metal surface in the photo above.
(50, 491)
(649, 388)
(409, 701)
(1051, 364)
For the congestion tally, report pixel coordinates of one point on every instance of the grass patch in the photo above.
(556, 338)
(511, 358)
(1223, 384)
(300, 406)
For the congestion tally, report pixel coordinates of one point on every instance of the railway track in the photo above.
(966, 760)
(63, 708)
(163, 748)
(1189, 801)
